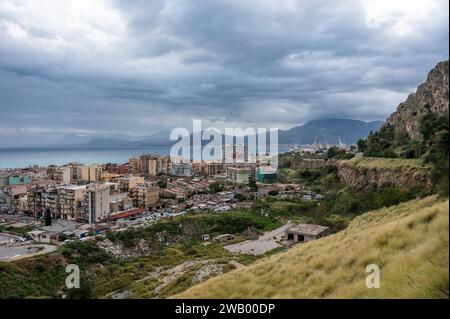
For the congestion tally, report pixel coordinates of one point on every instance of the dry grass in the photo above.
(409, 242)
(380, 163)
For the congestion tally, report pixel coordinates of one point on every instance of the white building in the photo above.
(239, 175)
(181, 169)
(98, 203)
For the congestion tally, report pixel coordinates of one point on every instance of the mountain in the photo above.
(409, 243)
(430, 97)
(321, 131)
(328, 131)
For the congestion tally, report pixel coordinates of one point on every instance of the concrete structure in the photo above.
(181, 169)
(63, 175)
(98, 203)
(163, 165)
(50, 200)
(145, 196)
(239, 175)
(223, 238)
(35, 202)
(135, 165)
(149, 164)
(208, 168)
(50, 234)
(120, 204)
(306, 232)
(236, 153)
(51, 169)
(18, 180)
(128, 183)
(266, 174)
(71, 201)
(75, 172)
(91, 173)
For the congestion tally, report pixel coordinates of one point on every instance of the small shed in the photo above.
(306, 232)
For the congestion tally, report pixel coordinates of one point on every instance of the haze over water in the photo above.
(23, 157)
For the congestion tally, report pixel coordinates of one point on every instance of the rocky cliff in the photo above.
(431, 96)
(362, 172)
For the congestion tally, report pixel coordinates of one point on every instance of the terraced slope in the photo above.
(409, 242)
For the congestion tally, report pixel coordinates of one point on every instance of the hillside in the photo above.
(430, 97)
(328, 131)
(373, 171)
(409, 242)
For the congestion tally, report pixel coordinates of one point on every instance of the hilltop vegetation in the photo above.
(166, 244)
(409, 242)
(419, 129)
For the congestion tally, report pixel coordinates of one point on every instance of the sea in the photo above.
(43, 156)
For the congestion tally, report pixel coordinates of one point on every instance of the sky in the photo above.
(73, 70)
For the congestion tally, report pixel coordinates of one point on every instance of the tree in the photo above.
(84, 292)
(252, 185)
(362, 145)
(48, 217)
(332, 152)
(273, 192)
(215, 188)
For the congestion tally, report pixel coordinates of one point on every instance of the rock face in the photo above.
(354, 177)
(431, 96)
(376, 172)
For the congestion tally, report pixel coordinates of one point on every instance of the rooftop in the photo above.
(308, 229)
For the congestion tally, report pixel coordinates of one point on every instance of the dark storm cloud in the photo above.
(137, 67)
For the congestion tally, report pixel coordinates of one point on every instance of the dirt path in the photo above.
(236, 264)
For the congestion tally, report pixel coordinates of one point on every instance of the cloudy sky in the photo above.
(132, 68)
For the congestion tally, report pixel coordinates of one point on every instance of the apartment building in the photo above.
(164, 163)
(128, 183)
(240, 175)
(71, 201)
(98, 200)
(236, 153)
(63, 175)
(135, 165)
(207, 168)
(145, 196)
(35, 201)
(49, 200)
(181, 169)
(91, 173)
(148, 164)
(51, 169)
(152, 165)
(75, 171)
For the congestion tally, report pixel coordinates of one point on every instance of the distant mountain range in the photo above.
(320, 131)
(328, 131)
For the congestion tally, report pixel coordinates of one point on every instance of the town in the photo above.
(55, 205)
